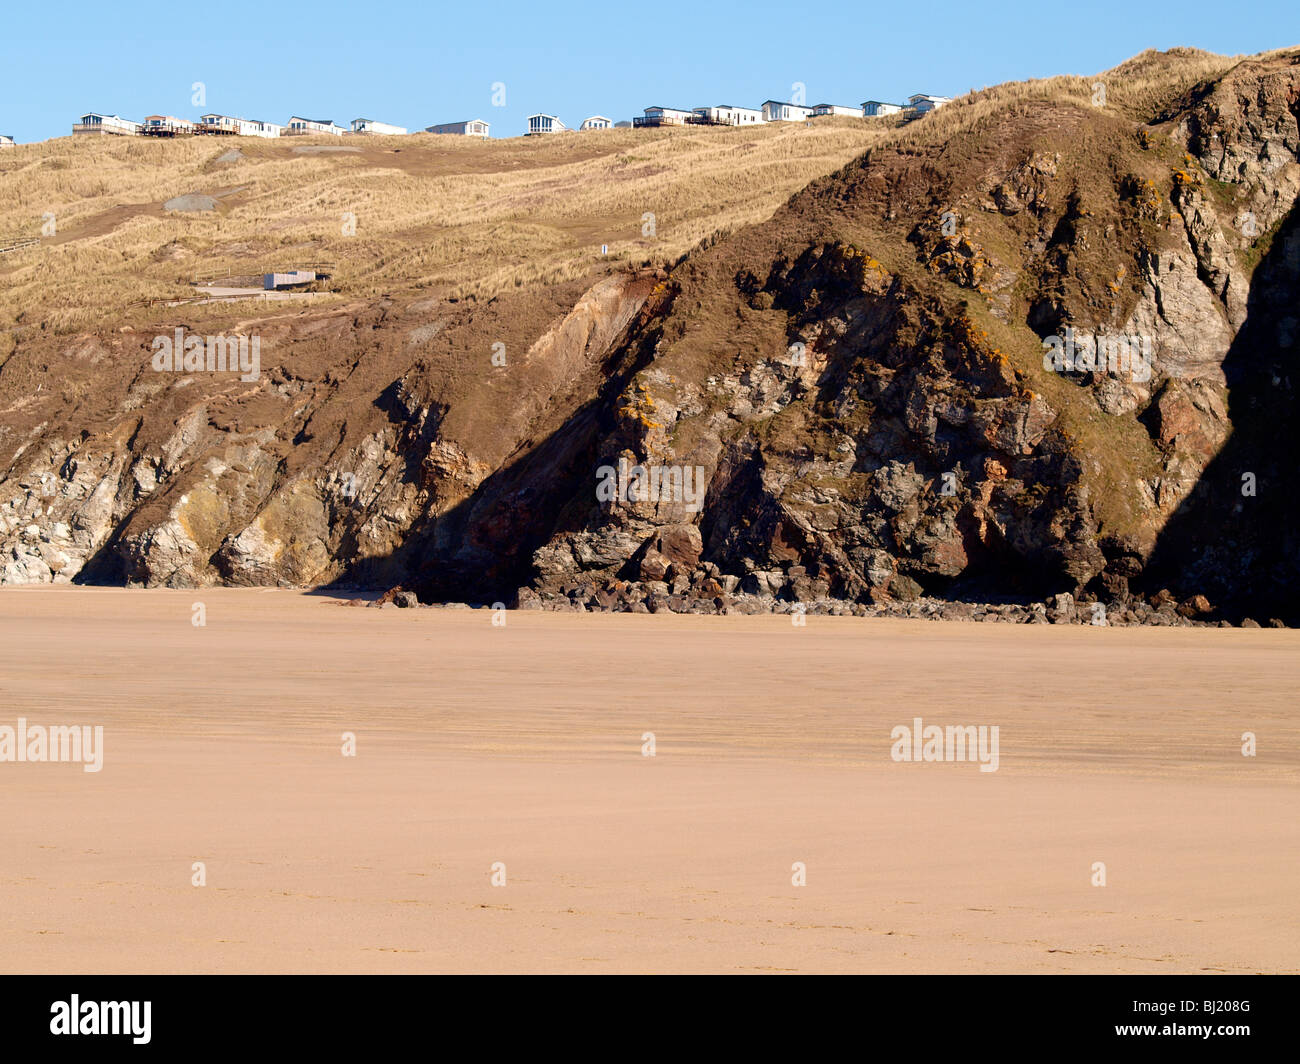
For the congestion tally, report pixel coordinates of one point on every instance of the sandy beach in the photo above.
(522, 746)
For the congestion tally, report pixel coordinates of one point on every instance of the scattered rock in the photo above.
(193, 201)
(1063, 609)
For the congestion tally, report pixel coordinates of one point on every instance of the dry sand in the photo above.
(522, 744)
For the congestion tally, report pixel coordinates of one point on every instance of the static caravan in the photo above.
(922, 103)
(876, 108)
(369, 125)
(94, 122)
(6, 141)
(267, 129)
(273, 282)
(165, 126)
(229, 125)
(836, 109)
(544, 124)
(726, 115)
(475, 127)
(663, 116)
(596, 122)
(780, 111)
(302, 127)
(218, 124)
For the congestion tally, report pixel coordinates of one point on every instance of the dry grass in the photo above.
(1139, 88)
(452, 215)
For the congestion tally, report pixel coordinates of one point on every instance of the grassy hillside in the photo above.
(450, 215)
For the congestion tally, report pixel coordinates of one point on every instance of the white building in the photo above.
(836, 109)
(544, 124)
(874, 108)
(726, 115)
(94, 122)
(289, 279)
(300, 127)
(6, 141)
(229, 124)
(369, 125)
(779, 111)
(268, 129)
(475, 127)
(922, 103)
(596, 122)
(663, 116)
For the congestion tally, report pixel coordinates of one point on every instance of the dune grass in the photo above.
(453, 215)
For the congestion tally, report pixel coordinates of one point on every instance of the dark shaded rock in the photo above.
(527, 599)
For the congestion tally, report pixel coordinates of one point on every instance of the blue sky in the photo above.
(415, 63)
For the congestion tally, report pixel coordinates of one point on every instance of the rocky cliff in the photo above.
(1035, 348)
(874, 387)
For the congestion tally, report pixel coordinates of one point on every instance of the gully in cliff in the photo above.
(656, 483)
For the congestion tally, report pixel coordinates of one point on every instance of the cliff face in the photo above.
(367, 424)
(1046, 347)
(867, 381)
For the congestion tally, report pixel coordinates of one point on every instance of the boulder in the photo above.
(681, 545)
